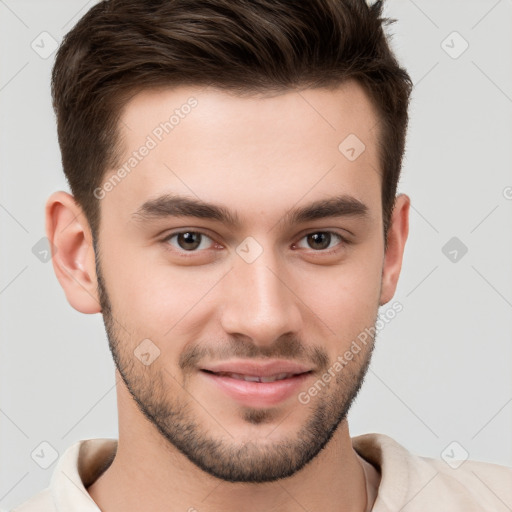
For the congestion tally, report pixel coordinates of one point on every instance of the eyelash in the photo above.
(187, 254)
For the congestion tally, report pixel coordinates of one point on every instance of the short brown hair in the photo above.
(121, 47)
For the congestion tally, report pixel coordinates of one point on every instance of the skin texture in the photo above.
(182, 441)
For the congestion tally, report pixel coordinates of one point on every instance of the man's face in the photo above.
(195, 318)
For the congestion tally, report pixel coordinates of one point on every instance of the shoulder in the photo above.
(40, 502)
(78, 467)
(489, 486)
(424, 483)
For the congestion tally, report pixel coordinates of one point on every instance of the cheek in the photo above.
(345, 297)
(154, 299)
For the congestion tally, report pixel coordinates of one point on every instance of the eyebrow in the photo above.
(181, 206)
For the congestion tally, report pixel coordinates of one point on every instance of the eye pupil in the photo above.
(322, 239)
(189, 240)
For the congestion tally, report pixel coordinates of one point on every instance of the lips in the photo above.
(258, 368)
(257, 384)
(256, 378)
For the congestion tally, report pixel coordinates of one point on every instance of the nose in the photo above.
(258, 301)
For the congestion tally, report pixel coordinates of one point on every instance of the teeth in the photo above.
(281, 376)
(255, 378)
(250, 378)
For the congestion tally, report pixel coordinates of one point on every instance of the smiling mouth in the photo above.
(256, 385)
(256, 378)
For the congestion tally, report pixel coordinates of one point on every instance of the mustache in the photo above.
(286, 347)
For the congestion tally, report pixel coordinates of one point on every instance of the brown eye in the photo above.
(320, 240)
(189, 241)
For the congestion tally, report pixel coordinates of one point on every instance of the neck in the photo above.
(149, 473)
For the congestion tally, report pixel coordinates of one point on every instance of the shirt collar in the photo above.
(80, 465)
(83, 463)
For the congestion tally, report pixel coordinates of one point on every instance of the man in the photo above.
(234, 218)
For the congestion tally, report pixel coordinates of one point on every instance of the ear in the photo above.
(73, 253)
(397, 236)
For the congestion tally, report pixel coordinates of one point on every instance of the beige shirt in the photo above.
(408, 483)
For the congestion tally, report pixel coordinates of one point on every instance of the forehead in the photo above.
(258, 152)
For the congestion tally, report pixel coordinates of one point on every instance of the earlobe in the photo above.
(397, 237)
(73, 256)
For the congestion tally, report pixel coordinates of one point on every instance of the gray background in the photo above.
(442, 368)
